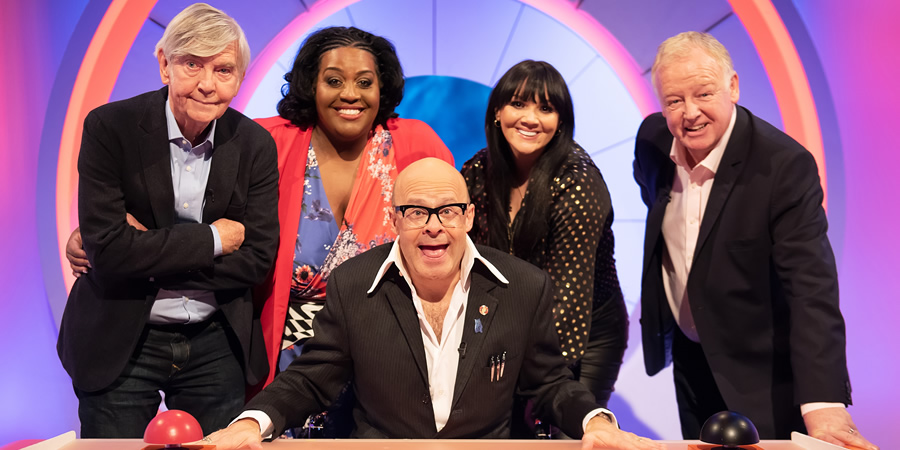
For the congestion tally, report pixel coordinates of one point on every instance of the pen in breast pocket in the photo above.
(502, 364)
(493, 367)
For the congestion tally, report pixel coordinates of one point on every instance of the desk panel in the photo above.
(408, 444)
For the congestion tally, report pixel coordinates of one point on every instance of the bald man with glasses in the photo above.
(436, 334)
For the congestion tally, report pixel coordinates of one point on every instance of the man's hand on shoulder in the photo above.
(601, 433)
(231, 233)
(835, 426)
(243, 434)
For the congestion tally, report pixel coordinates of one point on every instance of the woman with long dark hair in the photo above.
(539, 196)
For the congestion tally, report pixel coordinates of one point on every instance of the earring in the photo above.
(558, 131)
(497, 123)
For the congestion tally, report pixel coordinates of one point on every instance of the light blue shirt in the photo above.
(190, 172)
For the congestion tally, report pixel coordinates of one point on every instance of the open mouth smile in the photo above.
(349, 111)
(696, 128)
(434, 251)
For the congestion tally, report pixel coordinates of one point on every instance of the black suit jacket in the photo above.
(763, 285)
(375, 341)
(124, 167)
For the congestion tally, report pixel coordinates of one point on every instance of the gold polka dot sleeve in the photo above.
(579, 211)
(474, 171)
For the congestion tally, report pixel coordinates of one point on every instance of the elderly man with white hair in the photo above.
(739, 290)
(177, 202)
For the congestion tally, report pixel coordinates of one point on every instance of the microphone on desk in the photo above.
(462, 350)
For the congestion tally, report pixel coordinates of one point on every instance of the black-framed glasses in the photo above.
(451, 215)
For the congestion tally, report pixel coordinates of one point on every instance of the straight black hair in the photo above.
(527, 80)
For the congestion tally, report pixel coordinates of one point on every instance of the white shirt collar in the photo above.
(712, 160)
(467, 263)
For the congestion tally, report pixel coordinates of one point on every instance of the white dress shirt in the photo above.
(441, 356)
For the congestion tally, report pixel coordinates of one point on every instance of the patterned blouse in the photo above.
(322, 246)
(577, 252)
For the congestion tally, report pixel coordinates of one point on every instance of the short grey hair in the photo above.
(201, 30)
(681, 44)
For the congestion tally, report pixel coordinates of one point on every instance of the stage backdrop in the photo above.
(820, 70)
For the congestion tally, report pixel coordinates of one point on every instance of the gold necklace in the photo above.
(518, 190)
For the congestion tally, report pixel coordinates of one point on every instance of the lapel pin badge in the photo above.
(478, 328)
(483, 309)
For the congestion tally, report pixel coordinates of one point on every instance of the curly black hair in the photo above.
(299, 102)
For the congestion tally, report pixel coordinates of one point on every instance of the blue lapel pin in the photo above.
(478, 328)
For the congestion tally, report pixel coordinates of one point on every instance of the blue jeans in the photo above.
(197, 366)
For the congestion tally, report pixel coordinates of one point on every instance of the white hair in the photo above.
(682, 44)
(201, 30)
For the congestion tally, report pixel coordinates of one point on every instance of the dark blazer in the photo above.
(124, 167)
(375, 341)
(763, 285)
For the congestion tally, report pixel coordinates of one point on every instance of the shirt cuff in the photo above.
(265, 423)
(590, 415)
(217, 241)
(810, 407)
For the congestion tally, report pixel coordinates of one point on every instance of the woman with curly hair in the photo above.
(340, 147)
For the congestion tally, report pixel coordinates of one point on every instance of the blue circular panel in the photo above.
(453, 107)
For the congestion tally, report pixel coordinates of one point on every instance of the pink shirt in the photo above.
(681, 225)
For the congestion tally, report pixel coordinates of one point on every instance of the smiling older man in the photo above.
(177, 201)
(739, 287)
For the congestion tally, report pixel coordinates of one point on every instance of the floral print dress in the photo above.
(321, 245)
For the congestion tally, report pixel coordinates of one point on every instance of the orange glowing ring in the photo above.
(93, 86)
(786, 74)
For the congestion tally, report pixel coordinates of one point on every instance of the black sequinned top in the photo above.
(577, 252)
